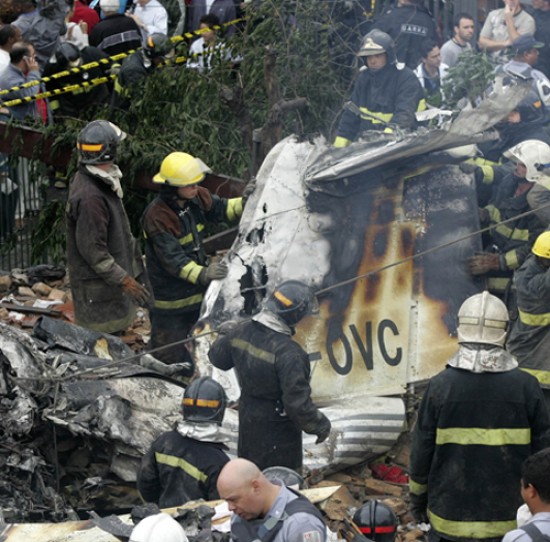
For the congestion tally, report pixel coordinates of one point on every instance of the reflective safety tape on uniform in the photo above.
(180, 463)
(234, 208)
(179, 303)
(534, 319)
(542, 376)
(417, 488)
(340, 142)
(249, 348)
(511, 259)
(498, 284)
(470, 529)
(482, 436)
(375, 117)
(191, 272)
(186, 239)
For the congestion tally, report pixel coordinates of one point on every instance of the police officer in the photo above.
(275, 404)
(383, 95)
(183, 465)
(479, 419)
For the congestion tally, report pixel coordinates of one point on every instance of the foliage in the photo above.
(468, 79)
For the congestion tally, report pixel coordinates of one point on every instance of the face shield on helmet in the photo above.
(535, 155)
(541, 247)
(291, 301)
(483, 319)
(377, 521)
(156, 528)
(204, 401)
(97, 142)
(181, 169)
(377, 42)
(289, 477)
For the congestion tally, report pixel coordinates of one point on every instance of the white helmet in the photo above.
(483, 318)
(158, 528)
(535, 155)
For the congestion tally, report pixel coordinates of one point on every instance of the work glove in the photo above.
(484, 216)
(468, 167)
(249, 189)
(480, 264)
(324, 430)
(215, 271)
(131, 287)
(225, 327)
(419, 508)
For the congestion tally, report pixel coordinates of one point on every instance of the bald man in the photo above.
(264, 510)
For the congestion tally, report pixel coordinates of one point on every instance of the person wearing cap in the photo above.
(526, 54)
(478, 420)
(115, 33)
(267, 510)
(174, 225)
(183, 464)
(384, 94)
(503, 26)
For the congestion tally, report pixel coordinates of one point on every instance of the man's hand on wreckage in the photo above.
(135, 290)
(483, 263)
(215, 271)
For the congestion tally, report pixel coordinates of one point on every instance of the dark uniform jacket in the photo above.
(391, 95)
(133, 71)
(116, 34)
(409, 26)
(174, 246)
(178, 469)
(74, 103)
(275, 404)
(529, 338)
(100, 252)
(473, 432)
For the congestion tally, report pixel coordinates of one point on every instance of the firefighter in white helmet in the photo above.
(479, 419)
(529, 338)
(174, 225)
(158, 528)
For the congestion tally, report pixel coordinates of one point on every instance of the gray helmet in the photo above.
(97, 142)
(288, 476)
(377, 42)
(66, 53)
(483, 319)
(157, 45)
(292, 300)
(204, 401)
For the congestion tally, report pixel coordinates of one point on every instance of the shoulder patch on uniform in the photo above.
(311, 536)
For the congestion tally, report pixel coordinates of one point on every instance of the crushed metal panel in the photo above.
(68, 531)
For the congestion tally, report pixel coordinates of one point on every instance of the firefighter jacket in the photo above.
(409, 26)
(515, 238)
(178, 469)
(473, 432)
(174, 246)
(529, 339)
(134, 69)
(379, 97)
(100, 253)
(275, 404)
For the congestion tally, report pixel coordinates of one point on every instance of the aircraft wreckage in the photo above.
(78, 409)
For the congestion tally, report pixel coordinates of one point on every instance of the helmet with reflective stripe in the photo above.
(158, 527)
(483, 319)
(181, 169)
(157, 45)
(291, 301)
(204, 401)
(377, 521)
(377, 42)
(541, 247)
(534, 155)
(97, 142)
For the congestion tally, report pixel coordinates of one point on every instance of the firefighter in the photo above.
(135, 68)
(508, 244)
(377, 521)
(530, 335)
(105, 265)
(158, 528)
(479, 419)
(183, 465)
(275, 404)
(267, 510)
(383, 95)
(174, 225)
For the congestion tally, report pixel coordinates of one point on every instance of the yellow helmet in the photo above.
(181, 169)
(541, 246)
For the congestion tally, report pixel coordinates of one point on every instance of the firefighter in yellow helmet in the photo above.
(529, 338)
(174, 225)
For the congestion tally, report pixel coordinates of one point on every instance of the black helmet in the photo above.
(288, 476)
(98, 141)
(65, 53)
(292, 300)
(376, 521)
(377, 42)
(204, 401)
(157, 45)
